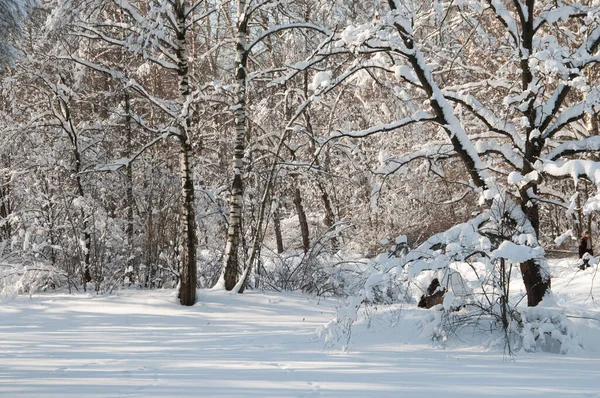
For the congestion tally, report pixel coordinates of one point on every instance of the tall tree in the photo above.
(166, 45)
(245, 43)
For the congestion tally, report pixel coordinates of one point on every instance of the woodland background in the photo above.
(179, 143)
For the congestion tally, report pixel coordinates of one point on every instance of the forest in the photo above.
(356, 149)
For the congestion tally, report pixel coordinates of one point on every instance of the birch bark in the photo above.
(187, 288)
(231, 267)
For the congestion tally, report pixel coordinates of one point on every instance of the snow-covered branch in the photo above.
(590, 144)
(562, 13)
(126, 162)
(279, 28)
(508, 152)
(491, 121)
(390, 165)
(416, 118)
(506, 19)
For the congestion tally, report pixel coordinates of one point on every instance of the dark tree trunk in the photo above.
(187, 289)
(329, 215)
(150, 245)
(301, 218)
(277, 228)
(87, 246)
(231, 267)
(5, 231)
(536, 284)
(132, 274)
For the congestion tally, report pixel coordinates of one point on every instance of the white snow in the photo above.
(562, 238)
(517, 253)
(514, 177)
(321, 79)
(573, 168)
(144, 344)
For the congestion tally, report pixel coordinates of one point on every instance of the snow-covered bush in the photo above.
(315, 273)
(549, 330)
(475, 263)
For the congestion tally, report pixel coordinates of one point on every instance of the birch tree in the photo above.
(244, 45)
(163, 30)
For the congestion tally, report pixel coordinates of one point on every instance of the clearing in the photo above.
(143, 344)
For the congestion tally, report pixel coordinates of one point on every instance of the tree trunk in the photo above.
(259, 236)
(187, 288)
(231, 267)
(129, 188)
(277, 228)
(329, 220)
(301, 218)
(150, 256)
(536, 284)
(536, 281)
(66, 121)
(230, 272)
(5, 231)
(86, 235)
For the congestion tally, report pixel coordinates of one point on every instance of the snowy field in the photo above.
(143, 344)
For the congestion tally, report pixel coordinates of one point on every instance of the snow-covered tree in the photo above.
(505, 82)
(159, 34)
(12, 13)
(247, 40)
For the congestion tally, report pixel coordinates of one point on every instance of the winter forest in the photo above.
(417, 168)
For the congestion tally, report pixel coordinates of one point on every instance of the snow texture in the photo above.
(143, 344)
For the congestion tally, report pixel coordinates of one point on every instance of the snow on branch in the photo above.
(517, 253)
(492, 122)
(162, 104)
(12, 13)
(251, 9)
(563, 13)
(545, 113)
(200, 17)
(419, 116)
(505, 18)
(95, 34)
(590, 144)
(453, 127)
(572, 113)
(391, 165)
(315, 58)
(126, 162)
(575, 169)
(323, 84)
(507, 151)
(280, 28)
(593, 40)
(404, 44)
(189, 10)
(165, 106)
(501, 232)
(115, 74)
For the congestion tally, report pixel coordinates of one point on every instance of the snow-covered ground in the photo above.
(143, 344)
